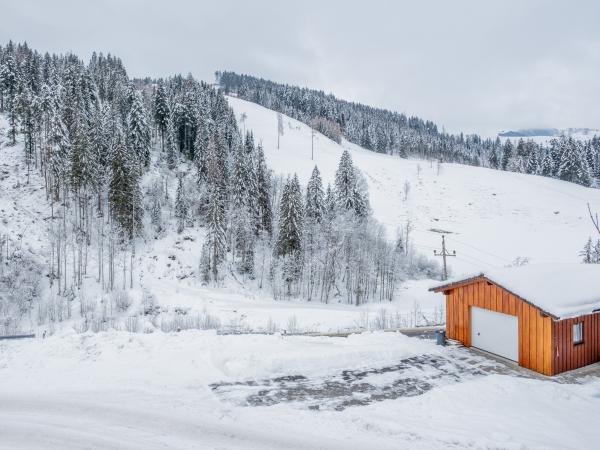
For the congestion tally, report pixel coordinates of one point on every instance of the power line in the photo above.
(472, 259)
(469, 245)
(479, 249)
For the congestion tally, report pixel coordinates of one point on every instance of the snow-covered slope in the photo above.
(490, 217)
(165, 274)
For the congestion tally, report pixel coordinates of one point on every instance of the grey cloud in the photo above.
(473, 66)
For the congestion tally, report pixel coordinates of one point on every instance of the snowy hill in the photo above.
(490, 217)
(165, 276)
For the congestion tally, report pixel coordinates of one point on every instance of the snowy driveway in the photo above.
(409, 377)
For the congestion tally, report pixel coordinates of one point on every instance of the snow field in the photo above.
(122, 390)
(491, 217)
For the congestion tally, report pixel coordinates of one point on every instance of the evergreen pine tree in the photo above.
(181, 205)
(345, 183)
(215, 240)
(124, 192)
(315, 198)
(547, 168)
(156, 215)
(586, 254)
(573, 166)
(289, 237)
(171, 146)
(162, 112)
(330, 204)
(57, 150)
(596, 253)
(493, 159)
(244, 211)
(9, 83)
(203, 136)
(518, 163)
(532, 162)
(350, 188)
(83, 169)
(263, 181)
(507, 154)
(138, 131)
(205, 264)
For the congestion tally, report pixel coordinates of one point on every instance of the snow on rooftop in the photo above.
(562, 290)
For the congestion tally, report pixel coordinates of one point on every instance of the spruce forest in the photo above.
(108, 147)
(393, 133)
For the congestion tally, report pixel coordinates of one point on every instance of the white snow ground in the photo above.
(492, 217)
(128, 391)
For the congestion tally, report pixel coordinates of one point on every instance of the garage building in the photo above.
(545, 317)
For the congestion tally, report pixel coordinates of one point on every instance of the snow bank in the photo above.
(77, 361)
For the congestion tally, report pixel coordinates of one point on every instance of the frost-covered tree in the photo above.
(587, 254)
(493, 158)
(263, 182)
(9, 83)
(57, 150)
(547, 166)
(532, 161)
(171, 146)
(596, 254)
(156, 215)
(138, 131)
(288, 246)
(573, 166)
(315, 198)
(345, 183)
(507, 154)
(216, 246)
(124, 192)
(289, 236)
(244, 208)
(83, 166)
(181, 205)
(350, 188)
(162, 112)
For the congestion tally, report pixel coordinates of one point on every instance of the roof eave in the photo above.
(482, 277)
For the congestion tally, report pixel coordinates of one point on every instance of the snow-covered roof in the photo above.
(561, 290)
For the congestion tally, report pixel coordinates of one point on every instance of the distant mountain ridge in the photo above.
(549, 132)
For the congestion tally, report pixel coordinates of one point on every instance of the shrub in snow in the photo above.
(121, 300)
(271, 326)
(292, 327)
(132, 324)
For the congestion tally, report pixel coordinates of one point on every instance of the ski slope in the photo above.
(489, 217)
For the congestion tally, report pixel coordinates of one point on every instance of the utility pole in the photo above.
(444, 253)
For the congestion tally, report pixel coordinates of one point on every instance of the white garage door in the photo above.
(495, 332)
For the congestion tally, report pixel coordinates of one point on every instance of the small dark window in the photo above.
(578, 333)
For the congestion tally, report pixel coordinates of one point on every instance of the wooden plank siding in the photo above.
(569, 356)
(536, 330)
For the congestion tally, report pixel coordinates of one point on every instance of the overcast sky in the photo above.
(473, 66)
